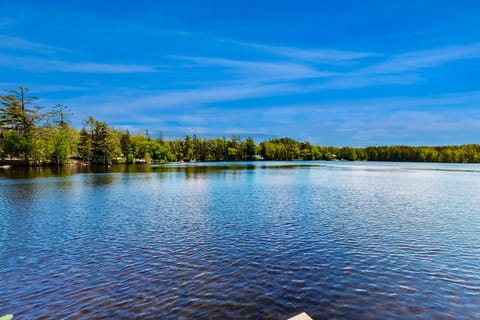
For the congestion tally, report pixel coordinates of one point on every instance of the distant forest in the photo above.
(30, 135)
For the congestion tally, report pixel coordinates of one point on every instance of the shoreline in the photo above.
(12, 164)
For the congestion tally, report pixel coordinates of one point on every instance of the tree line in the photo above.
(31, 135)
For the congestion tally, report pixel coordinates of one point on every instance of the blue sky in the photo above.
(332, 72)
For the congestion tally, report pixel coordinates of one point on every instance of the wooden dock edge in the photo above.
(301, 316)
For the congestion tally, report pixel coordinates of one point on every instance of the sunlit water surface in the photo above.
(257, 240)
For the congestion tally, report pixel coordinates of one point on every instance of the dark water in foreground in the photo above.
(245, 241)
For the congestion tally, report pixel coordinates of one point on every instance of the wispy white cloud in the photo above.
(362, 122)
(203, 105)
(44, 88)
(188, 99)
(465, 100)
(352, 80)
(424, 59)
(23, 44)
(219, 94)
(412, 125)
(400, 69)
(392, 119)
(261, 70)
(327, 56)
(51, 65)
(177, 32)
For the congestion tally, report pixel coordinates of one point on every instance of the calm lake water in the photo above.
(260, 240)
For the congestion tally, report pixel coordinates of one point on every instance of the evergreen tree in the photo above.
(19, 116)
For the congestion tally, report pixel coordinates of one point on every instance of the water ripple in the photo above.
(243, 243)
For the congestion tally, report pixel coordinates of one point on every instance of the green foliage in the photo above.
(18, 116)
(85, 146)
(126, 146)
(62, 147)
(31, 135)
(469, 153)
(284, 149)
(99, 143)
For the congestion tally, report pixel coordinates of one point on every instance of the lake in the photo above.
(253, 240)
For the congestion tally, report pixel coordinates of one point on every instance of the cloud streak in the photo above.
(189, 99)
(363, 122)
(418, 60)
(45, 88)
(400, 69)
(34, 64)
(23, 44)
(326, 56)
(411, 125)
(260, 70)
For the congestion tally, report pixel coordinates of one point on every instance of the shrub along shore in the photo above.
(29, 135)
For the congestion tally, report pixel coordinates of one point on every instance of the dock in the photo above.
(301, 316)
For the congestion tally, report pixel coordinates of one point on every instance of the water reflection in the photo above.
(99, 179)
(37, 172)
(191, 170)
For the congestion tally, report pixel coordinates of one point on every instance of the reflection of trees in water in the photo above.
(133, 168)
(63, 171)
(100, 179)
(191, 170)
(23, 194)
(197, 170)
(27, 173)
(223, 170)
(41, 172)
